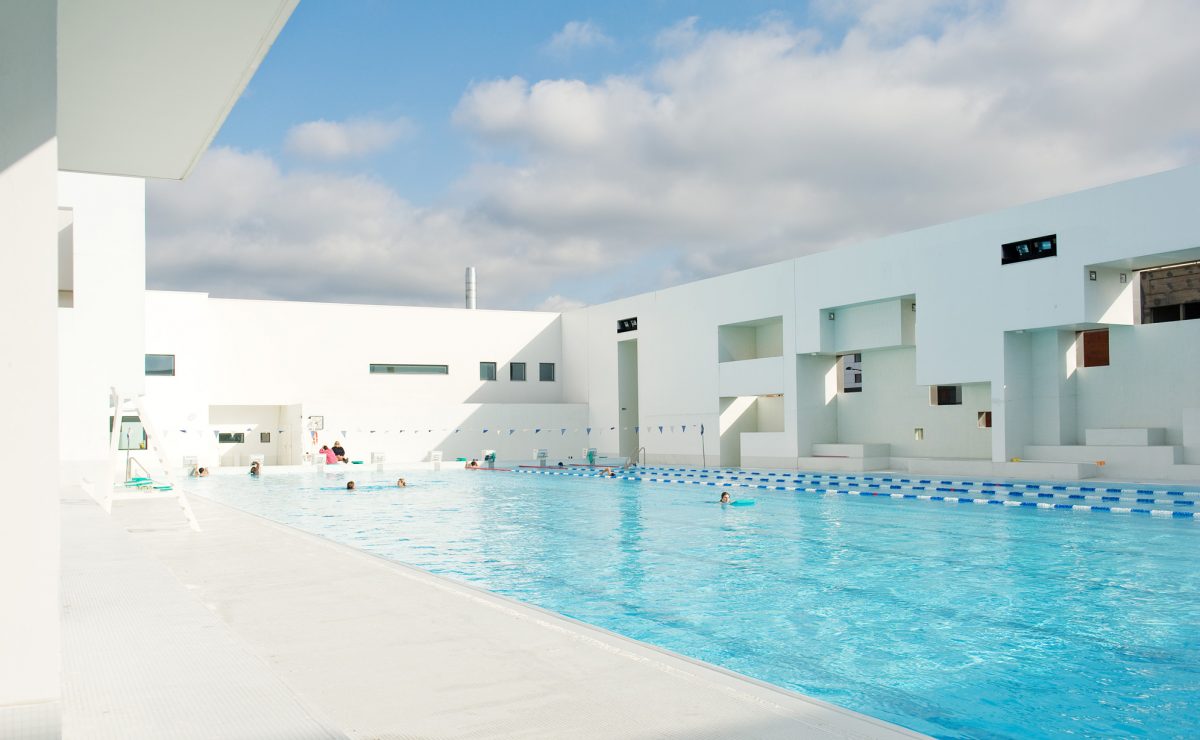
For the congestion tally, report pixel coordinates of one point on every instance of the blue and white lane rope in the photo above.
(1162, 513)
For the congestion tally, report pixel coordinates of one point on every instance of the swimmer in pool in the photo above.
(725, 497)
(607, 473)
(350, 486)
(473, 464)
(400, 483)
(255, 468)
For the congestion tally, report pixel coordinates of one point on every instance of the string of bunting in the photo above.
(661, 429)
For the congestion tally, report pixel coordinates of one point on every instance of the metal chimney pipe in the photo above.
(470, 287)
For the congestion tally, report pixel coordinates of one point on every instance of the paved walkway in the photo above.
(254, 629)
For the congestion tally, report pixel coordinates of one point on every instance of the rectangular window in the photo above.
(132, 436)
(1175, 312)
(228, 438)
(624, 325)
(487, 371)
(516, 371)
(1093, 348)
(850, 375)
(264, 437)
(1030, 249)
(945, 395)
(984, 419)
(160, 364)
(402, 369)
(546, 371)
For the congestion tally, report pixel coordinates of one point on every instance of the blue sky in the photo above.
(338, 60)
(580, 152)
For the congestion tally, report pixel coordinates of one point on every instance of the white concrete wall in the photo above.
(966, 302)
(101, 336)
(1153, 381)
(243, 359)
(29, 526)
(892, 404)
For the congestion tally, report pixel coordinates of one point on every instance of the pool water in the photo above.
(952, 620)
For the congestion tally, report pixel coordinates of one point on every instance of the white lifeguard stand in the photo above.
(435, 457)
(107, 489)
(540, 455)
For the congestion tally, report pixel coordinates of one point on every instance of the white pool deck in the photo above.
(251, 629)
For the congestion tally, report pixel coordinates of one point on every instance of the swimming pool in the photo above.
(953, 620)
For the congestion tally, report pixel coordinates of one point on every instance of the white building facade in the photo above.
(968, 338)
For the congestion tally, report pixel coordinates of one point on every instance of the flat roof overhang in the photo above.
(144, 85)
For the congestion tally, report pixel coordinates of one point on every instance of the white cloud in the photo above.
(559, 304)
(577, 35)
(742, 147)
(240, 226)
(737, 148)
(356, 137)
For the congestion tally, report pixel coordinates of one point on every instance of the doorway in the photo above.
(627, 399)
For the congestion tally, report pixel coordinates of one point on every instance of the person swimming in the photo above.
(255, 468)
(350, 486)
(401, 483)
(725, 497)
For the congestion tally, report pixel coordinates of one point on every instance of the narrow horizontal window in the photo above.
(624, 325)
(516, 371)
(228, 438)
(160, 364)
(546, 371)
(1030, 249)
(487, 371)
(945, 395)
(399, 369)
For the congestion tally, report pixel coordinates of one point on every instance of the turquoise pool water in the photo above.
(953, 620)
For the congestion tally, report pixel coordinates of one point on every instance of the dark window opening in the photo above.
(1175, 312)
(984, 419)
(945, 395)
(227, 438)
(516, 371)
(264, 437)
(487, 371)
(624, 325)
(1029, 249)
(1160, 314)
(546, 371)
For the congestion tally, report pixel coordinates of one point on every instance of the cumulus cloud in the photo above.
(356, 137)
(241, 226)
(577, 35)
(736, 148)
(746, 146)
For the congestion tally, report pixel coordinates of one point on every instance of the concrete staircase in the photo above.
(1125, 452)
